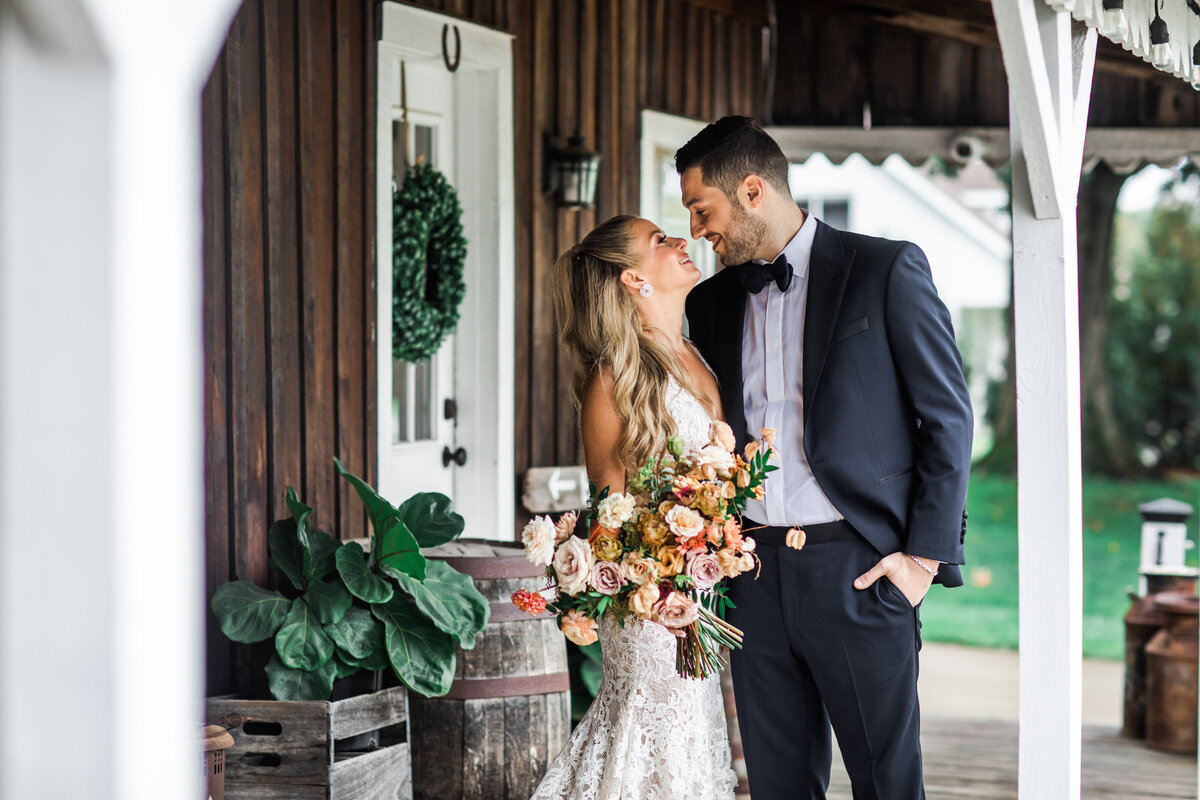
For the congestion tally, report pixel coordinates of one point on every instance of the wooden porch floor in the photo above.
(978, 760)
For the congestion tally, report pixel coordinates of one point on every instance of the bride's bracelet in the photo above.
(923, 565)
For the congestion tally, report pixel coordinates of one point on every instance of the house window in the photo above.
(833, 211)
(662, 135)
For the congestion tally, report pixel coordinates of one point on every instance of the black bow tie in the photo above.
(755, 276)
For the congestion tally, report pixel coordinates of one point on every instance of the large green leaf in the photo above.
(378, 509)
(300, 642)
(393, 543)
(421, 655)
(431, 518)
(357, 635)
(249, 613)
(343, 669)
(328, 600)
(378, 659)
(397, 550)
(358, 577)
(287, 554)
(298, 684)
(450, 600)
(323, 549)
(300, 513)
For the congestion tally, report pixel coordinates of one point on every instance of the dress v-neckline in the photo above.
(681, 389)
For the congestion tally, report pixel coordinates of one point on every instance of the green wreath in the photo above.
(428, 253)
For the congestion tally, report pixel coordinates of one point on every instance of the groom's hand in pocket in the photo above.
(904, 572)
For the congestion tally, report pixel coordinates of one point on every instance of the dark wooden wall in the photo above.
(289, 292)
(288, 136)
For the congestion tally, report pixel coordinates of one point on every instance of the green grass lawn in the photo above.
(984, 611)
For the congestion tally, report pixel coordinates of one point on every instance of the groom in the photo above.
(839, 342)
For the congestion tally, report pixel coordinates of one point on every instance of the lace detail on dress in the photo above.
(649, 734)
(692, 422)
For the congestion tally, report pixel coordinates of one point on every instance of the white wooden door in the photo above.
(421, 444)
(445, 96)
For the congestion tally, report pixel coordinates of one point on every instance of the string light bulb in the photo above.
(1115, 25)
(1160, 40)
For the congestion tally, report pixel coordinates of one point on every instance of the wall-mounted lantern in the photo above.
(571, 171)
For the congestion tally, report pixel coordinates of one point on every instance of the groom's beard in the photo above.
(743, 236)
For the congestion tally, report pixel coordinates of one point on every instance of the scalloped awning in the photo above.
(1123, 149)
(1182, 20)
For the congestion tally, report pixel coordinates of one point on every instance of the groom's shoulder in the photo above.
(871, 248)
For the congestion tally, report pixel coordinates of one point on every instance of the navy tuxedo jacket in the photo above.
(887, 417)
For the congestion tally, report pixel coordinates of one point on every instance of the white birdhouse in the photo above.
(1164, 539)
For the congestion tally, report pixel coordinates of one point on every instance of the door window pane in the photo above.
(424, 399)
(414, 386)
(400, 427)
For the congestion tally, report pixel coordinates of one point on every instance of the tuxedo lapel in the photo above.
(828, 271)
(730, 310)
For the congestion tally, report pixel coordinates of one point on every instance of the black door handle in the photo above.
(458, 456)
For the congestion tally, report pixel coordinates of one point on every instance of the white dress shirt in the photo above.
(772, 391)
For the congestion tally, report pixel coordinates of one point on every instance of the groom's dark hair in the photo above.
(730, 149)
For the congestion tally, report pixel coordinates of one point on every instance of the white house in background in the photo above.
(970, 258)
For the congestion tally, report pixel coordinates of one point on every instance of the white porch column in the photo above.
(1049, 61)
(101, 642)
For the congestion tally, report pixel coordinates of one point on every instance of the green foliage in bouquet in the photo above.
(350, 610)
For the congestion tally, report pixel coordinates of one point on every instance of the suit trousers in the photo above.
(818, 651)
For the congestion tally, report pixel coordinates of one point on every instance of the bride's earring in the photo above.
(646, 290)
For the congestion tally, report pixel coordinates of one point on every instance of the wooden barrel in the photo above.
(509, 710)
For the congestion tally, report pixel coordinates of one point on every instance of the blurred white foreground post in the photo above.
(101, 577)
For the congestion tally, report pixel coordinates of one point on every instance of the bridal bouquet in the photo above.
(660, 552)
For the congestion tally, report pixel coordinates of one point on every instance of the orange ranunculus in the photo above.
(733, 533)
(768, 435)
(529, 602)
(579, 628)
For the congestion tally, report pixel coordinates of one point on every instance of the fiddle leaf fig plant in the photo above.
(346, 609)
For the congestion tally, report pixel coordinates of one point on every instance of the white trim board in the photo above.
(1124, 149)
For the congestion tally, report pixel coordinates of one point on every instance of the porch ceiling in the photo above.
(937, 63)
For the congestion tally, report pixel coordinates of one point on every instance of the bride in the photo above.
(619, 299)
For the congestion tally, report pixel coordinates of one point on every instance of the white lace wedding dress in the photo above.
(649, 734)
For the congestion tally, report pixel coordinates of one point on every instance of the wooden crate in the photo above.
(298, 750)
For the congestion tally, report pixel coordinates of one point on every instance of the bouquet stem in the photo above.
(698, 653)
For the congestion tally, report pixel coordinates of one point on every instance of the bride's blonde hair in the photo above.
(599, 325)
